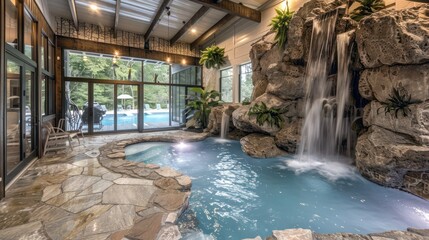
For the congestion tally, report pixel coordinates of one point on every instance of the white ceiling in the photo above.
(136, 15)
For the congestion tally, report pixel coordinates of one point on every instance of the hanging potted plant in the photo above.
(213, 57)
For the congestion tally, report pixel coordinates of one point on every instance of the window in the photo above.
(246, 85)
(156, 72)
(189, 75)
(47, 95)
(12, 23)
(29, 39)
(226, 85)
(43, 96)
(51, 57)
(102, 66)
(44, 52)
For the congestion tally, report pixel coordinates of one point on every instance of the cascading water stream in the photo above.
(224, 127)
(318, 134)
(326, 131)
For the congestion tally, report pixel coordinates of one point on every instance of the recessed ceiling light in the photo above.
(193, 30)
(93, 7)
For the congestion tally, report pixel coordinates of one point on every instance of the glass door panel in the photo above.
(104, 107)
(77, 111)
(156, 106)
(127, 107)
(13, 115)
(29, 145)
(178, 102)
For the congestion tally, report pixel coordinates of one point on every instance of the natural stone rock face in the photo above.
(293, 234)
(260, 83)
(215, 117)
(289, 137)
(260, 146)
(416, 124)
(247, 123)
(385, 157)
(289, 84)
(378, 83)
(393, 37)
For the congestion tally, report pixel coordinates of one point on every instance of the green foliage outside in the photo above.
(280, 25)
(398, 101)
(96, 67)
(213, 57)
(201, 103)
(366, 8)
(273, 116)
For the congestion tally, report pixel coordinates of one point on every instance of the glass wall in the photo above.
(13, 115)
(226, 85)
(246, 84)
(77, 111)
(11, 28)
(29, 36)
(132, 94)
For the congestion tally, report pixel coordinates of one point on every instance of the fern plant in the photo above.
(264, 114)
(213, 57)
(366, 8)
(398, 101)
(280, 25)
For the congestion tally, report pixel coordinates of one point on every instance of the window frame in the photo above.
(239, 79)
(232, 82)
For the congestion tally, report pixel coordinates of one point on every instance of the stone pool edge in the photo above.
(174, 189)
(158, 219)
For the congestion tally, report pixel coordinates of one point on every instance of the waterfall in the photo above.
(318, 132)
(343, 125)
(326, 131)
(224, 127)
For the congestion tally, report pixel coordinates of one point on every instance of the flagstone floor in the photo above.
(70, 195)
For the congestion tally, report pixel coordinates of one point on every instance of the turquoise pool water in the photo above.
(108, 119)
(235, 196)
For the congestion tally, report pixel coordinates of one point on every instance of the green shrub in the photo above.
(366, 8)
(201, 104)
(264, 114)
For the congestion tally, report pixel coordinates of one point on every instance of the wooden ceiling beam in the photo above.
(214, 29)
(73, 11)
(189, 24)
(235, 9)
(118, 8)
(155, 20)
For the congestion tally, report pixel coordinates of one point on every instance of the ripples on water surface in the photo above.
(235, 196)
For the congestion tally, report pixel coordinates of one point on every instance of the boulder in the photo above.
(289, 137)
(272, 56)
(247, 123)
(288, 84)
(260, 146)
(378, 83)
(415, 125)
(392, 37)
(260, 82)
(215, 117)
(385, 157)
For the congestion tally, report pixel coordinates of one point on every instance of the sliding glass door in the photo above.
(21, 109)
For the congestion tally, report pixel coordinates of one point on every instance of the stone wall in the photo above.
(394, 49)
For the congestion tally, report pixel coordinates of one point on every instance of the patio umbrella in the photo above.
(125, 96)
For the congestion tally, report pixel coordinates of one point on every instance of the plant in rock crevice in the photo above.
(398, 101)
(201, 103)
(213, 57)
(273, 116)
(366, 8)
(280, 25)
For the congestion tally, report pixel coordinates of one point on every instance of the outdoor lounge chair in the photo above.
(73, 133)
(56, 139)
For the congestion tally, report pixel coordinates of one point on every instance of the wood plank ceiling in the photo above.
(189, 21)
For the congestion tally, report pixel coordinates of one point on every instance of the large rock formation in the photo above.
(260, 146)
(392, 37)
(395, 149)
(215, 118)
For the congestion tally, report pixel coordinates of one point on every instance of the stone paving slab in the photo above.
(77, 195)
